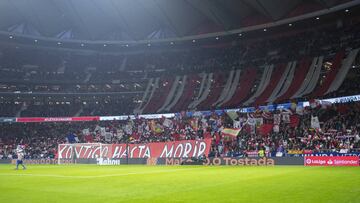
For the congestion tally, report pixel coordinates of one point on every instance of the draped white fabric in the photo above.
(154, 86)
(307, 78)
(345, 67)
(226, 88)
(171, 94)
(202, 84)
(315, 77)
(204, 94)
(179, 92)
(232, 88)
(123, 64)
(280, 83)
(284, 82)
(288, 80)
(265, 79)
(146, 93)
(204, 81)
(311, 78)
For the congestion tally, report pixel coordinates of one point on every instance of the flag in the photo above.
(237, 124)
(108, 136)
(158, 129)
(135, 136)
(86, 131)
(267, 115)
(194, 124)
(231, 132)
(294, 121)
(204, 123)
(102, 131)
(286, 111)
(217, 138)
(265, 129)
(152, 125)
(299, 110)
(251, 121)
(286, 118)
(259, 121)
(167, 123)
(182, 114)
(314, 103)
(277, 119)
(71, 138)
(315, 122)
(232, 114)
(128, 129)
(276, 128)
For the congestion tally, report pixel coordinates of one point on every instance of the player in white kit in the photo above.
(20, 157)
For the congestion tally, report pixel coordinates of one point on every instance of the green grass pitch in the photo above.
(129, 183)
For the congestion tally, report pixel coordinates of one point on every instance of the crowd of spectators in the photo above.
(277, 133)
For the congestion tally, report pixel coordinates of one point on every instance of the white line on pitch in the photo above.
(95, 176)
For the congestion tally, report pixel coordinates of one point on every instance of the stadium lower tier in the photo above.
(314, 129)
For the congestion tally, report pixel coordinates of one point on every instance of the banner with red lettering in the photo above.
(176, 149)
(331, 161)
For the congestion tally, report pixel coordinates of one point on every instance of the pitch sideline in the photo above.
(94, 176)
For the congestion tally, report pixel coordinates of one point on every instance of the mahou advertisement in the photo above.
(331, 161)
(177, 149)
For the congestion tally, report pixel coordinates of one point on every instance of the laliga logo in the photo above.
(330, 162)
(308, 161)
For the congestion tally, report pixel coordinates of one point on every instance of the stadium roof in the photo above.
(147, 20)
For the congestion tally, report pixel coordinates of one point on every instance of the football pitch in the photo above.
(130, 183)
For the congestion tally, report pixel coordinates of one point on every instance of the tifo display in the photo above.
(290, 132)
(180, 101)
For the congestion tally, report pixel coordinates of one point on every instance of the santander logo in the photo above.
(332, 161)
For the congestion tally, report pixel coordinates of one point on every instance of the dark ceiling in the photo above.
(132, 20)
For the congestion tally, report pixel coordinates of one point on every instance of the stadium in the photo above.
(180, 101)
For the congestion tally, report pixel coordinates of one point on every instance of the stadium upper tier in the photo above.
(280, 67)
(144, 21)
